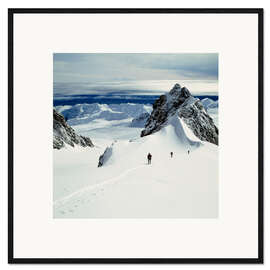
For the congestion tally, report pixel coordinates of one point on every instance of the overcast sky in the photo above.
(123, 71)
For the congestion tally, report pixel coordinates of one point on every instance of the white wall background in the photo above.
(114, 4)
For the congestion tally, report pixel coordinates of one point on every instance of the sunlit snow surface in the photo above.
(185, 186)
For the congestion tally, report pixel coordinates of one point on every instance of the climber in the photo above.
(188, 152)
(171, 154)
(149, 157)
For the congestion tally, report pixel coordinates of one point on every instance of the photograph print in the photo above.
(135, 135)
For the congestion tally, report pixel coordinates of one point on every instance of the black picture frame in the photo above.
(12, 260)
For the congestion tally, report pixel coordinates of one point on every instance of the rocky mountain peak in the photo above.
(180, 101)
(164, 107)
(177, 86)
(179, 91)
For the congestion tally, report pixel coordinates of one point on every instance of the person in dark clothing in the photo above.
(171, 154)
(188, 152)
(149, 157)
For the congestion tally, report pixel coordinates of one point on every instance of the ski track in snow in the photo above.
(144, 191)
(77, 196)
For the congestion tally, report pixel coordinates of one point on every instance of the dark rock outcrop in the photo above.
(105, 156)
(179, 101)
(64, 134)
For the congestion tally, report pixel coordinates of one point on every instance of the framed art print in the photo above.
(135, 135)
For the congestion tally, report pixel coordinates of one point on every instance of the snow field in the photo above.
(185, 186)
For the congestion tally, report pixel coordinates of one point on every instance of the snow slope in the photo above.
(185, 186)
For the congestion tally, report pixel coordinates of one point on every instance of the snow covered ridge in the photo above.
(85, 113)
(172, 137)
(180, 102)
(64, 134)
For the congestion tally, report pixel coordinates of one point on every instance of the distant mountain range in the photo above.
(117, 98)
(85, 113)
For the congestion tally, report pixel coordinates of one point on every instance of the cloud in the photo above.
(150, 87)
(92, 68)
